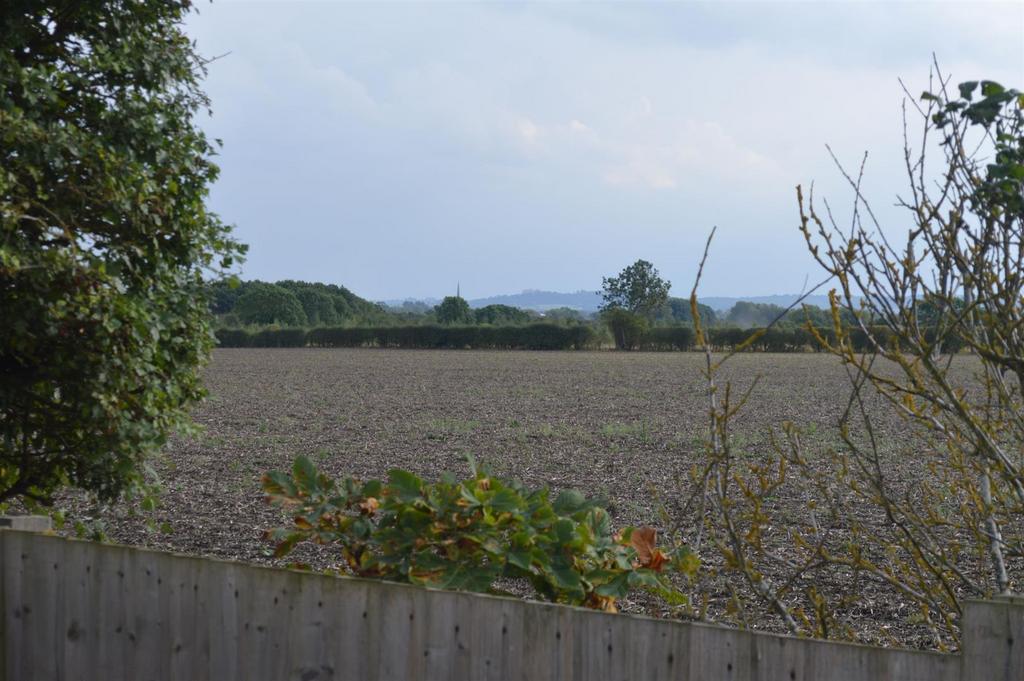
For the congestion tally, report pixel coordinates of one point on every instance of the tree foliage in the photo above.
(104, 239)
(746, 314)
(638, 289)
(501, 314)
(453, 310)
(321, 304)
(678, 310)
(270, 304)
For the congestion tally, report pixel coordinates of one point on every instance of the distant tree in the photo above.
(638, 289)
(454, 310)
(411, 307)
(501, 314)
(678, 310)
(563, 314)
(746, 314)
(320, 307)
(270, 304)
(104, 241)
(818, 317)
(224, 294)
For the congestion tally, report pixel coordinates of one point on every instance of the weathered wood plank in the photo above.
(993, 641)
(13, 589)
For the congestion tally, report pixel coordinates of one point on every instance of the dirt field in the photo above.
(621, 425)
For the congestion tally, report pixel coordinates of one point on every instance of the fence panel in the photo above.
(80, 610)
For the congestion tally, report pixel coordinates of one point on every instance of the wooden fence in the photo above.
(81, 610)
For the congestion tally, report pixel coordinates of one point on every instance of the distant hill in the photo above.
(590, 301)
(541, 301)
(722, 304)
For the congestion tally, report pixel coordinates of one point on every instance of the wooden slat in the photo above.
(993, 641)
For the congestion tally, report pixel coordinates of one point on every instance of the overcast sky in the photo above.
(398, 149)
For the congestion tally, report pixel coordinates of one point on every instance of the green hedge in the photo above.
(545, 337)
(528, 337)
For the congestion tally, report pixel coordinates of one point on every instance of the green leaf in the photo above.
(505, 501)
(569, 501)
(469, 496)
(404, 485)
(469, 578)
(990, 88)
(615, 588)
(519, 558)
(304, 472)
(566, 578)
(276, 483)
(372, 489)
(967, 89)
(565, 531)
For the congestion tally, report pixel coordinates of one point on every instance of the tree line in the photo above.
(637, 314)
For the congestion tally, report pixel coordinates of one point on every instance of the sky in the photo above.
(402, 150)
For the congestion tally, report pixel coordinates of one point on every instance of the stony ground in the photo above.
(627, 426)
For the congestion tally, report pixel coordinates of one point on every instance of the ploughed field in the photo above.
(625, 426)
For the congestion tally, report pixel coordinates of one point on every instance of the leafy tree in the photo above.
(270, 304)
(104, 240)
(637, 289)
(501, 314)
(320, 307)
(322, 304)
(746, 314)
(453, 310)
(678, 310)
(564, 314)
(224, 293)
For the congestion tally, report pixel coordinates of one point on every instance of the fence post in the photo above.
(993, 640)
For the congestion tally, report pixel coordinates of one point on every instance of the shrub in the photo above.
(279, 338)
(628, 328)
(233, 338)
(668, 338)
(104, 242)
(468, 534)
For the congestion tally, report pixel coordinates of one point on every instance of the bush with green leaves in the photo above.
(453, 310)
(104, 241)
(269, 304)
(469, 534)
(628, 328)
(502, 314)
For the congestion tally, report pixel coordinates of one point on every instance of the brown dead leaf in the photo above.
(643, 541)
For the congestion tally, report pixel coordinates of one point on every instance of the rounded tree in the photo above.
(638, 288)
(104, 241)
(270, 304)
(454, 310)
